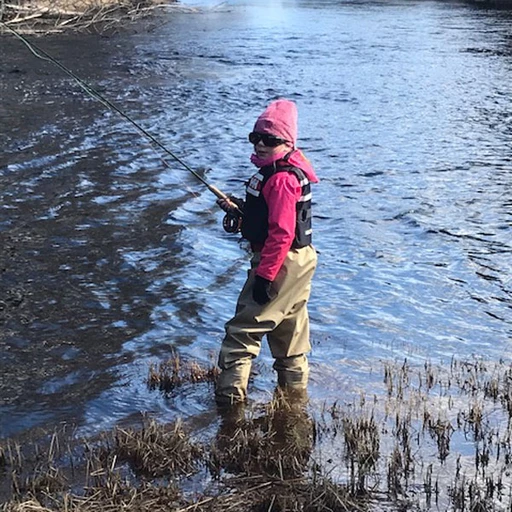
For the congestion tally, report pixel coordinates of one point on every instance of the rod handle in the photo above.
(217, 192)
(221, 195)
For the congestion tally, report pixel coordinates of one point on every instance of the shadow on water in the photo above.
(80, 245)
(71, 295)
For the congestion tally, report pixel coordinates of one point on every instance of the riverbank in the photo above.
(56, 16)
(437, 438)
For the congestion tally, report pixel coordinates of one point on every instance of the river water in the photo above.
(110, 260)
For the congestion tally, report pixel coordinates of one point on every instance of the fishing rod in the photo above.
(229, 223)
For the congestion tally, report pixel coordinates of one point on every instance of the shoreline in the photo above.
(44, 17)
(435, 437)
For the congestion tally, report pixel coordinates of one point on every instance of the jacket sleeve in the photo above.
(281, 193)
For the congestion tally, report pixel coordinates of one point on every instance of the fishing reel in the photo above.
(232, 222)
(233, 206)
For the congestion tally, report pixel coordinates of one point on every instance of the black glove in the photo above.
(224, 204)
(262, 292)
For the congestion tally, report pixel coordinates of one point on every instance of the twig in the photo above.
(21, 20)
(198, 504)
(208, 500)
(16, 7)
(68, 21)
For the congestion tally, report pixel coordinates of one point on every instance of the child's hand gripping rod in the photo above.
(232, 221)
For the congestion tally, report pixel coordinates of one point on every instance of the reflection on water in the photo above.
(108, 259)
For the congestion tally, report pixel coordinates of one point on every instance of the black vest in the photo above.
(255, 220)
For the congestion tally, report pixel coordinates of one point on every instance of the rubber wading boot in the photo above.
(232, 383)
(292, 372)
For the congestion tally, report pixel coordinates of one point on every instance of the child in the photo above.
(276, 220)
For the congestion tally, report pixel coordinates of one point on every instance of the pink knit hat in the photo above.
(279, 119)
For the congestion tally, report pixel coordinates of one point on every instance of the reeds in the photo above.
(174, 372)
(275, 441)
(157, 450)
(437, 437)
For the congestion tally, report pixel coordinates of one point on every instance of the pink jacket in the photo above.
(281, 193)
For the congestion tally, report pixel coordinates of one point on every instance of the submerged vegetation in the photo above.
(174, 373)
(51, 16)
(437, 437)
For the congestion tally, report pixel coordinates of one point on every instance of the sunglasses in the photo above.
(268, 140)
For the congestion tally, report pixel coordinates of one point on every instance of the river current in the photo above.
(109, 260)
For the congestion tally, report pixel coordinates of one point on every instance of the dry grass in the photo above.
(275, 442)
(157, 450)
(54, 16)
(393, 452)
(175, 372)
(145, 498)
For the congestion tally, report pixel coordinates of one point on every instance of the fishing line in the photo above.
(41, 54)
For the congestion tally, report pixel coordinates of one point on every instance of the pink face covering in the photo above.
(262, 162)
